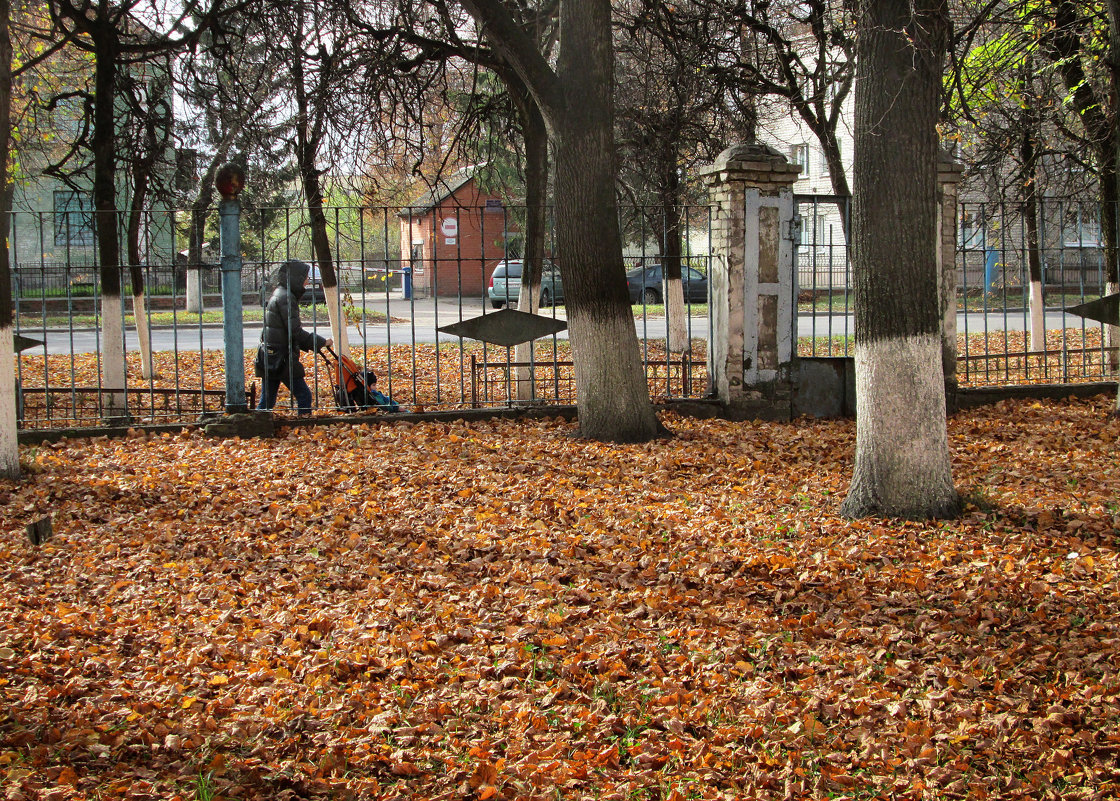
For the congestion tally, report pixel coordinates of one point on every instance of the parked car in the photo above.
(505, 284)
(312, 295)
(646, 285)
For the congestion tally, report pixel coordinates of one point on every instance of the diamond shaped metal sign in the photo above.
(1104, 310)
(22, 343)
(506, 327)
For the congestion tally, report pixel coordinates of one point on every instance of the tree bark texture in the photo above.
(902, 462)
(611, 389)
(9, 434)
(106, 55)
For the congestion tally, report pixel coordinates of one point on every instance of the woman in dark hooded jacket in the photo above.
(284, 337)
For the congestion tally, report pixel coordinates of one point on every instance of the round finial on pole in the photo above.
(230, 180)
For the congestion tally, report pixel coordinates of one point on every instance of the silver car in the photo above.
(505, 284)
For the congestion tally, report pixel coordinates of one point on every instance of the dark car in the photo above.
(646, 285)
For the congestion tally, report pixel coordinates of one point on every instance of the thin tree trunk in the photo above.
(9, 434)
(136, 270)
(902, 461)
(308, 142)
(671, 258)
(536, 191)
(321, 247)
(113, 397)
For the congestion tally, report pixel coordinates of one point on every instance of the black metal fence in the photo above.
(402, 278)
(393, 304)
(996, 244)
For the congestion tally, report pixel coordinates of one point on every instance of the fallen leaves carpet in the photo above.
(498, 610)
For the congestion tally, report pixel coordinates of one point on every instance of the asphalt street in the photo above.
(417, 320)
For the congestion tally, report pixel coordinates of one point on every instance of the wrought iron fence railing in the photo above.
(996, 244)
(400, 280)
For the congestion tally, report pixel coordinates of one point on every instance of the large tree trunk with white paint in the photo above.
(9, 432)
(902, 460)
(576, 100)
(611, 390)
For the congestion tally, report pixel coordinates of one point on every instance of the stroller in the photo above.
(354, 388)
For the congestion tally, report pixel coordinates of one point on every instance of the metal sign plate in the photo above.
(506, 327)
(23, 343)
(1104, 310)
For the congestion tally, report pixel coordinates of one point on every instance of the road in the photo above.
(416, 321)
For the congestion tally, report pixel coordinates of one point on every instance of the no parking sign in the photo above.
(449, 227)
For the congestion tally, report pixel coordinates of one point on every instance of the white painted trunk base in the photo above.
(143, 335)
(9, 432)
(902, 463)
(528, 301)
(194, 291)
(113, 403)
(611, 391)
(1038, 318)
(1112, 337)
(338, 323)
(675, 314)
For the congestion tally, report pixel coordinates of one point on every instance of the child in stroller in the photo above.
(355, 389)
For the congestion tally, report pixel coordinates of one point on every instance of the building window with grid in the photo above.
(73, 218)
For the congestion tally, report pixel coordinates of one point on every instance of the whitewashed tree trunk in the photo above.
(9, 434)
(143, 336)
(337, 316)
(528, 301)
(9, 431)
(902, 466)
(902, 461)
(1112, 335)
(113, 365)
(1038, 318)
(194, 290)
(675, 315)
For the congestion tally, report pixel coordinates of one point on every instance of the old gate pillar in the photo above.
(949, 172)
(751, 342)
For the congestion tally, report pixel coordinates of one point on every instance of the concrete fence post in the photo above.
(752, 340)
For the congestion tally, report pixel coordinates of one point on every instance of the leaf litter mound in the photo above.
(496, 610)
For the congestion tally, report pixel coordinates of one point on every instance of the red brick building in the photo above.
(453, 236)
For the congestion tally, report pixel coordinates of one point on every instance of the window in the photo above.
(1082, 233)
(972, 232)
(799, 154)
(73, 218)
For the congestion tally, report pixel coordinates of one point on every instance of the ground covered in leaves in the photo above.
(496, 610)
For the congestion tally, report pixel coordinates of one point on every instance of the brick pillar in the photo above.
(948, 183)
(751, 343)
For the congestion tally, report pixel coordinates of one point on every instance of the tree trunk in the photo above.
(321, 248)
(9, 434)
(536, 192)
(611, 390)
(113, 396)
(1110, 204)
(136, 270)
(308, 142)
(673, 292)
(902, 460)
